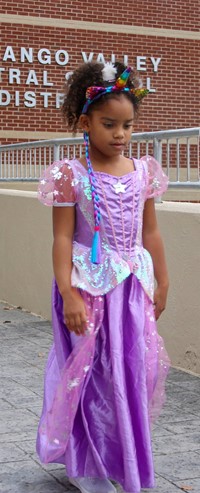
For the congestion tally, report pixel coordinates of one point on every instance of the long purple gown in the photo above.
(103, 390)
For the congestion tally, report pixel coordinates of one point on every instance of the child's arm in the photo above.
(73, 304)
(152, 241)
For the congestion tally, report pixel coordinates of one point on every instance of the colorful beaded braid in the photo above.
(96, 244)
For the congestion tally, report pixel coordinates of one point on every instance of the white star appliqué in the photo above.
(119, 187)
(56, 173)
(73, 383)
(155, 183)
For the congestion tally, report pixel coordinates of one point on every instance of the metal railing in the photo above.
(177, 150)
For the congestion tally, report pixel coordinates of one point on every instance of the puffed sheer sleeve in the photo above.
(157, 181)
(57, 186)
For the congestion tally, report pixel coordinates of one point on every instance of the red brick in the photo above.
(175, 103)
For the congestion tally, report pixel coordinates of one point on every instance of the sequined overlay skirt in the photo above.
(102, 391)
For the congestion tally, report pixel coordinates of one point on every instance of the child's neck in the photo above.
(115, 165)
(100, 161)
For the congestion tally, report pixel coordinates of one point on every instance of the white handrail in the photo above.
(177, 150)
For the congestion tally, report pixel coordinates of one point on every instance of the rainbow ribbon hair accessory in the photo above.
(95, 92)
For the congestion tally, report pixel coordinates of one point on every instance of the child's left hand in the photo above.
(160, 299)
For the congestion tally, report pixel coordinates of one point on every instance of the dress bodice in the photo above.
(121, 204)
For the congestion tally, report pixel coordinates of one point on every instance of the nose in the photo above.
(118, 133)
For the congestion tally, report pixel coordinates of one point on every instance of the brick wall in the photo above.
(183, 14)
(174, 104)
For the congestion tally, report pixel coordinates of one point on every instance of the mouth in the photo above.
(118, 145)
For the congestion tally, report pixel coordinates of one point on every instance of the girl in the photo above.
(105, 374)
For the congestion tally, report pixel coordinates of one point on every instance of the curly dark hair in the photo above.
(86, 75)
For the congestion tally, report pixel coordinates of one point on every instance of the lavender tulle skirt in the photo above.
(103, 390)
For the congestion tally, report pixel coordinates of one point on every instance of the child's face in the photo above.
(110, 126)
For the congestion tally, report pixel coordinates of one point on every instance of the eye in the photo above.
(108, 125)
(128, 125)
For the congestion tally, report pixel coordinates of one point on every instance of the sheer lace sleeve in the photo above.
(57, 185)
(157, 181)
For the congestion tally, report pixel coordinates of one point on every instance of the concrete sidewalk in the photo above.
(25, 340)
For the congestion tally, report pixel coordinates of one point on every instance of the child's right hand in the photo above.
(74, 312)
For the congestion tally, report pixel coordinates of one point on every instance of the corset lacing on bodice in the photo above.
(126, 255)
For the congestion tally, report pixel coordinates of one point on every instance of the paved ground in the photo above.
(24, 343)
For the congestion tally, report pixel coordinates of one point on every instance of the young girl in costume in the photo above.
(104, 381)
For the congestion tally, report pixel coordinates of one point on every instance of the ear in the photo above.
(84, 123)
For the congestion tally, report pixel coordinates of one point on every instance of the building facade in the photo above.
(41, 43)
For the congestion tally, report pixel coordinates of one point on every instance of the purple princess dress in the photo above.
(103, 390)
